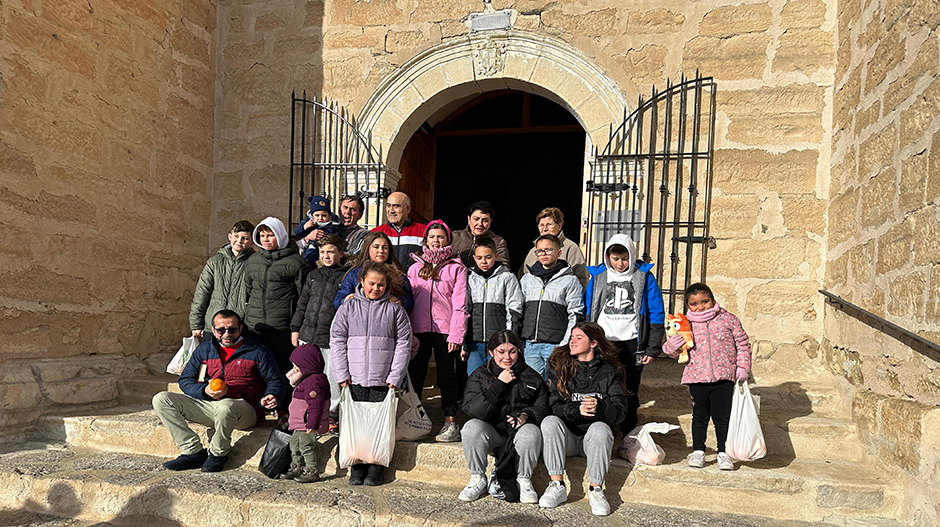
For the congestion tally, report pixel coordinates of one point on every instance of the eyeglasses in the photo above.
(222, 331)
(546, 225)
(542, 252)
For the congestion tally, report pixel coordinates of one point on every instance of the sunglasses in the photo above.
(222, 331)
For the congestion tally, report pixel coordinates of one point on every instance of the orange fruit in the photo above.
(216, 384)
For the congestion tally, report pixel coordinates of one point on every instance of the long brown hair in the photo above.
(430, 271)
(565, 365)
(363, 255)
(392, 276)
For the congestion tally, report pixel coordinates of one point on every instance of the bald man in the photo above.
(406, 235)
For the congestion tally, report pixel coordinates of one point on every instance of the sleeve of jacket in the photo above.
(480, 403)
(514, 303)
(201, 297)
(575, 302)
(274, 381)
(502, 252)
(579, 267)
(188, 380)
(657, 317)
(539, 408)
(339, 334)
(298, 319)
(396, 373)
(460, 314)
(589, 293)
(301, 276)
(558, 405)
(408, 300)
(613, 408)
(347, 287)
(742, 344)
(319, 403)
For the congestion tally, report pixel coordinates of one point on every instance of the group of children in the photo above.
(365, 324)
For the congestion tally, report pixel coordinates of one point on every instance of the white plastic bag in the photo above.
(182, 356)
(745, 438)
(413, 421)
(640, 449)
(366, 430)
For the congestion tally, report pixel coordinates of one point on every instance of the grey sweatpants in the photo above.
(224, 415)
(561, 443)
(479, 438)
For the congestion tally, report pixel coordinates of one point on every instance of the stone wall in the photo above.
(106, 136)
(774, 62)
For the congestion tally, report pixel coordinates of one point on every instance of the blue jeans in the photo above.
(536, 356)
(477, 355)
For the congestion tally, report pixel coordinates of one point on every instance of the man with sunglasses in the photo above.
(252, 384)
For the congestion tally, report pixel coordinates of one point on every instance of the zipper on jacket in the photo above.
(264, 292)
(486, 285)
(711, 364)
(538, 314)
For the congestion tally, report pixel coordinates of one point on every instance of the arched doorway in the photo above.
(519, 151)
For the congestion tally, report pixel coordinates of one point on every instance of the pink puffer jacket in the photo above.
(721, 346)
(441, 305)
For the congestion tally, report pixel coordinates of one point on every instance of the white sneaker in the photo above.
(475, 488)
(599, 505)
(555, 494)
(725, 462)
(527, 493)
(449, 433)
(697, 459)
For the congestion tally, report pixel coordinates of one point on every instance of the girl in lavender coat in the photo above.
(439, 319)
(370, 343)
(721, 356)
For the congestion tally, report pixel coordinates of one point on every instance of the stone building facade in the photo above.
(135, 134)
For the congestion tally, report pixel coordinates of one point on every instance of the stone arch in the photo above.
(464, 67)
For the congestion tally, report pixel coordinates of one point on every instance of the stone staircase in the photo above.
(815, 471)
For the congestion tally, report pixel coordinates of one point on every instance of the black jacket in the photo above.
(274, 280)
(315, 309)
(489, 399)
(595, 378)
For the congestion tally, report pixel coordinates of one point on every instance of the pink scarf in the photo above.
(434, 256)
(703, 316)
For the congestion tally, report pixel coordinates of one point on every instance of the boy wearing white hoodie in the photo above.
(623, 297)
(274, 277)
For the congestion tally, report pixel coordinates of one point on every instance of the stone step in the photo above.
(779, 486)
(56, 485)
(140, 390)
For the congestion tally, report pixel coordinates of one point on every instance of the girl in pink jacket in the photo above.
(720, 357)
(439, 319)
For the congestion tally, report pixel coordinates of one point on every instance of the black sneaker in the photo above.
(357, 474)
(214, 463)
(187, 461)
(375, 476)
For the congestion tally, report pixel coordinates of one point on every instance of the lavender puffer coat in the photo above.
(721, 346)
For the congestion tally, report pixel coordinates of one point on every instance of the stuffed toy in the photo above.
(679, 325)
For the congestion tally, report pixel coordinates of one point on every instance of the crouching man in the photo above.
(252, 382)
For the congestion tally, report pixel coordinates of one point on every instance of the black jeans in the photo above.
(281, 347)
(626, 350)
(711, 400)
(369, 394)
(446, 364)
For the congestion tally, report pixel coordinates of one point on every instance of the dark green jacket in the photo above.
(221, 286)
(274, 280)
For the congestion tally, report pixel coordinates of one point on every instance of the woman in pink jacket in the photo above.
(720, 357)
(439, 319)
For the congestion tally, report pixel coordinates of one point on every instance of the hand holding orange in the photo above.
(216, 385)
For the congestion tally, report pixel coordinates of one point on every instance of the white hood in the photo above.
(626, 241)
(280, 233)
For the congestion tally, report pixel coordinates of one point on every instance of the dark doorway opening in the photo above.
(519, 151)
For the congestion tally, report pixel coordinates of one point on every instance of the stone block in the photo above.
(240, 54)
(906, 295)
(734, 216)
(783, 299)
(803, 13)
(654, 21)
(862, 262)
(867, 117)
(313, 13)
(925, 65)
(900, 426)
(774, 115)
(302, 48)
(727, 21)
(356, 13)
(804, 50)
(923, 14)
(453, 28)
(26, 31)
(804, 214)
(846, 99)
(14, 162)
(193, 46)
(441, 10)
(403, 40)
(591, 24)
(878, 198)
(836, 272)
(831, 497)
(895, 247)
(779, 258)
(926, 233)
(889, 52)
(203, 14)
(645, 65)
(751, 171)
(71, 368)
(268, 22)
(732, 58)
(844, 54)
(371, 38)
(932, 308)
(843, 216)
(20, 396)
(81, 391)
(877, 151)
(913, 183)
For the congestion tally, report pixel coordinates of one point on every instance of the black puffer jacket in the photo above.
(598, 379)
(489, 399)
(274, 280)
(315, 309)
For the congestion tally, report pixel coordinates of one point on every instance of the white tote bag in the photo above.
(366, 430)
(745, 438)
(640, 449)
(182, 356)
(413, 421)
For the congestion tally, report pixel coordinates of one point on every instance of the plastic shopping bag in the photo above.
(413, 421)
(640, 449)
(182, 356)
(745, 438)
(366, 430)
(276, 457)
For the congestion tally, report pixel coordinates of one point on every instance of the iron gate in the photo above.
(653, 182)
(331, 157)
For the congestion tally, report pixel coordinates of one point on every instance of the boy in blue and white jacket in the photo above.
(623, 297)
